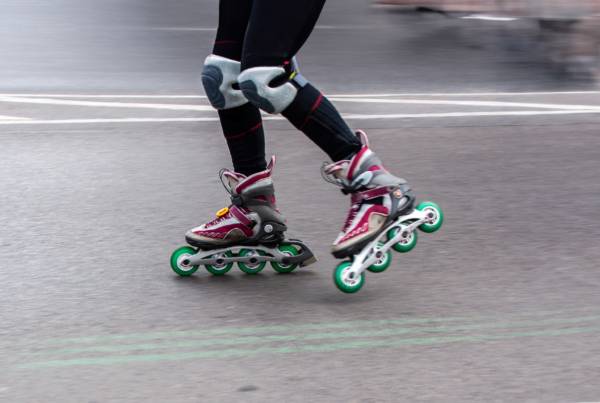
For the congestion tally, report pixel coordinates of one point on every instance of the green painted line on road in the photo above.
(295, 337)
(293, 349)
(284, 328)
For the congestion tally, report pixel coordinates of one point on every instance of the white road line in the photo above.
(488, 17)
(346, 116)
(123, 120)
(106, 104)
(475, 94)
(181, 107)
(104, 96)
(214, 29)
(353, 27)
(467, 94)
(11, 118)
(180, 29)
(466, 103)
(468, 114)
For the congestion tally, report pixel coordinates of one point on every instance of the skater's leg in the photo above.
(251, 229)
(240, 120)
(276, 32)
(314, 115)
(243, 130)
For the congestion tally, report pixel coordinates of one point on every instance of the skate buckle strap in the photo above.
(236, 200)
(237, 213)
(370, 194)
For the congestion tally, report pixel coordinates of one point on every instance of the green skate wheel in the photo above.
(177, 259)
(251, 268)
(436, 221)
(222, 268)
(405, 245)
(290, 251)
(347, 285)
(382, 263)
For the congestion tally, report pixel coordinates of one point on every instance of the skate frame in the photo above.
(205, 257)
(372, 252)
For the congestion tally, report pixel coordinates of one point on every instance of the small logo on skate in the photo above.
(398, 193)
(217, 235)
(357, 231)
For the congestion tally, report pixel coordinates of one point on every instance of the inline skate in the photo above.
(250, 232)
(382, 216)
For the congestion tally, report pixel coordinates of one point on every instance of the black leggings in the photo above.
(269, 33)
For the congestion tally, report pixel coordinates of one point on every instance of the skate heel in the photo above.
(271, 234)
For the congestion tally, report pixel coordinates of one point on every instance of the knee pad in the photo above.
(254, 84)
(218, 77)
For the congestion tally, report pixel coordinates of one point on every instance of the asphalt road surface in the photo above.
(110, 153)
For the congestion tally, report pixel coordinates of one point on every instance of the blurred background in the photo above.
(474, 45)
(562, 33)
(110, 152)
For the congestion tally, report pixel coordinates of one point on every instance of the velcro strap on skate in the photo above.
(369, 194)
(237, 213)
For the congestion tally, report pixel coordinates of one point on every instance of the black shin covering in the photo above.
(315, 116)
(243, 130)
(242, 126)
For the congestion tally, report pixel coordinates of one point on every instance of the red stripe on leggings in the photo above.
(243, 134)
(312, 110)
(222, 42)
(318, 102)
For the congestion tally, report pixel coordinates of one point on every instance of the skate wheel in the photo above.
(381, 263)
(251, 268)
(222, 268)
(287, 250)
(436, 221)
(177, 259)
(405, 245)
(345, 284)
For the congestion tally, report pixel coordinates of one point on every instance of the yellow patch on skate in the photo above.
(222, 212)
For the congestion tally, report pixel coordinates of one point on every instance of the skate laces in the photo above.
(217, 220)
(351, 215)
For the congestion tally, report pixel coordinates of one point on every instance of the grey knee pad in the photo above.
(218, 76)
(254, 83)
